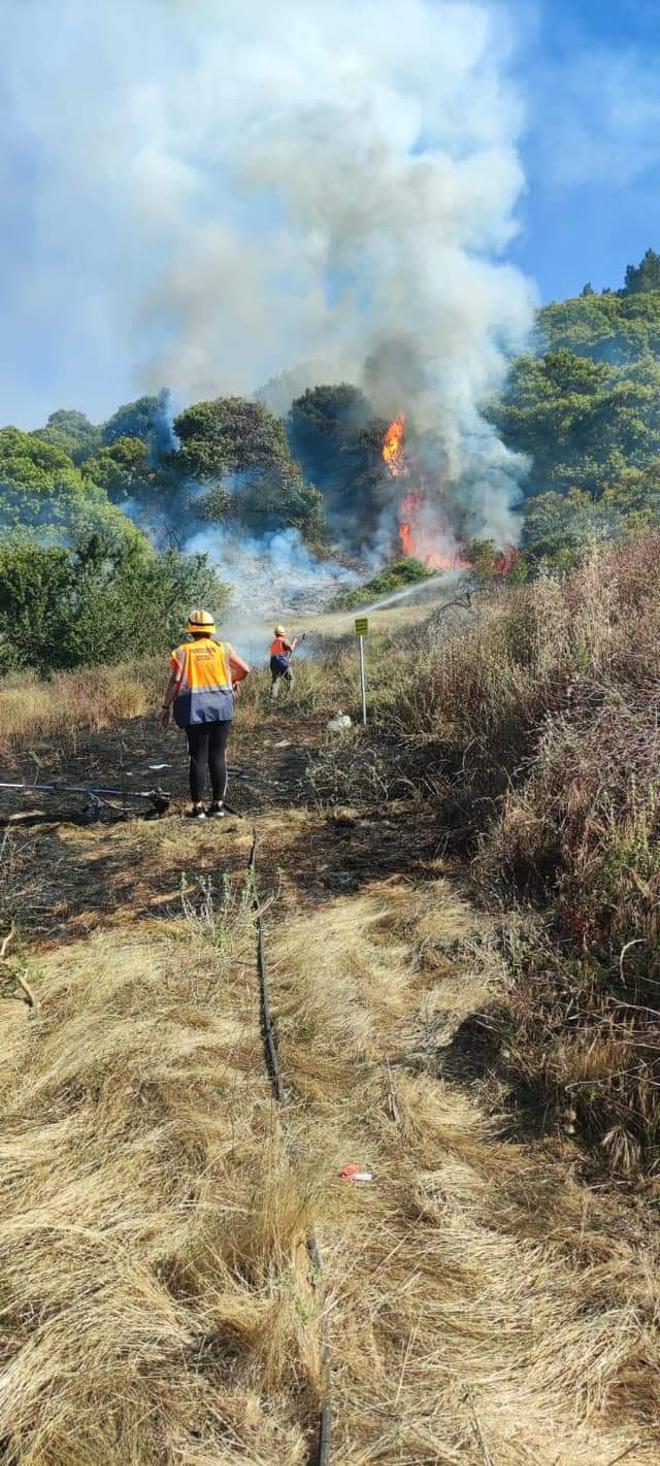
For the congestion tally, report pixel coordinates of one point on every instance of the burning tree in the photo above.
(424, 532)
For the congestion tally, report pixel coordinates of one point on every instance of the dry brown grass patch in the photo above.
(151, 1283)
(73, 702)
(454, 1280)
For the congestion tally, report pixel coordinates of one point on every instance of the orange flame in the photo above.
(393, 445)
(420, 541)
(418, 537)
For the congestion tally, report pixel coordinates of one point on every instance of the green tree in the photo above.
(231, 438)
(227, 436)
(613, 327)
(338, 442)
(99, 602)
(579, 420)
(139, 419)
(35, 589)
(122, 470)
(645, 276)
(72, 432)
(39, 484)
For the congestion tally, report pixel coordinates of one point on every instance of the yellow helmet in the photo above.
(201, 621)
(280, 631)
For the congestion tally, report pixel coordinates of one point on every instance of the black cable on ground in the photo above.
(321, 1453)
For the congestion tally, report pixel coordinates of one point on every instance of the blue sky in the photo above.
(590, 73)
(100, 181)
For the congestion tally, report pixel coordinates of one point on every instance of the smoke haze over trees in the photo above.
(99, 516)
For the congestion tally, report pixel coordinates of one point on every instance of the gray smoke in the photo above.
(369, 156)
(236, 189)
(273, 573)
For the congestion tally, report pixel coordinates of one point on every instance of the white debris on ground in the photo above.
(339, 722)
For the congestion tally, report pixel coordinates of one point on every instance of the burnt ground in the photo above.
(268, 766)
(62, 876)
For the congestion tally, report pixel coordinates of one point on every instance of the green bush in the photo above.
(395, 576)
(99, 603)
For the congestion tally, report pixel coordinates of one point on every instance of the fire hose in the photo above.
(97, 797)
(320, 1455)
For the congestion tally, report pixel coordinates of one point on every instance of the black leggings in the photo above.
(207, 744)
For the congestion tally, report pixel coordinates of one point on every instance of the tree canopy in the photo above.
(240, 448)
(645, 276)
(338, 440)
(136, 420)
(72, 432)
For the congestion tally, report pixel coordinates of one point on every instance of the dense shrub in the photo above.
(103, 602)
(539, 730)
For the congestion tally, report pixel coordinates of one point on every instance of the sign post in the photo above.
(362, 631)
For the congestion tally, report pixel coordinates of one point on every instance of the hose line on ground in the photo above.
(321, 1452)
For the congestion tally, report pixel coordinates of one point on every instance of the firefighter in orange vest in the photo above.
(201, 692)
(281, 652)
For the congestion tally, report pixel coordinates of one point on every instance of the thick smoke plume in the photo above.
(269, 184)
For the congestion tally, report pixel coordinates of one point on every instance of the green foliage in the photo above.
(233, 437)
(611, 328)
(46, 499)
(393, 577)
(586, 412)
(228, 436)
(98, 603)
(338, 443)
(122, 470)
(581, 422)
(35, 586)
(39, 484)
(135, 420)
(645, 276)
(72, 432)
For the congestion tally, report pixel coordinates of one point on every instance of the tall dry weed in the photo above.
(536, 731)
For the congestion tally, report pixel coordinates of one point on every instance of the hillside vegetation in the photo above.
(96, 519)
(584, 408)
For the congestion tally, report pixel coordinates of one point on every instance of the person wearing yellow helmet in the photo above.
(281, 652)
(204, 681)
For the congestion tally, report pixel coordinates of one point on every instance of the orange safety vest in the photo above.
(203, 674)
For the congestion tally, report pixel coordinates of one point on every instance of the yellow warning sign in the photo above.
(361, 626)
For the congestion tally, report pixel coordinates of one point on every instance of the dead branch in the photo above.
(28, 995)
(26, 990)
(5, 942)
(636, 942)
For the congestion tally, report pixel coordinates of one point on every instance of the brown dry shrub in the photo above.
(539, 731)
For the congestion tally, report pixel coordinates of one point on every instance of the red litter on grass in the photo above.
(353, 1173)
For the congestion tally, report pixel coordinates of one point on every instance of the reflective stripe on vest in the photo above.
(204, 683)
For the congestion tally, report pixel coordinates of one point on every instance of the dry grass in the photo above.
(156, 1309)
(72, 702)
(468, 1277)
(535, 731)
(154, 1302)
